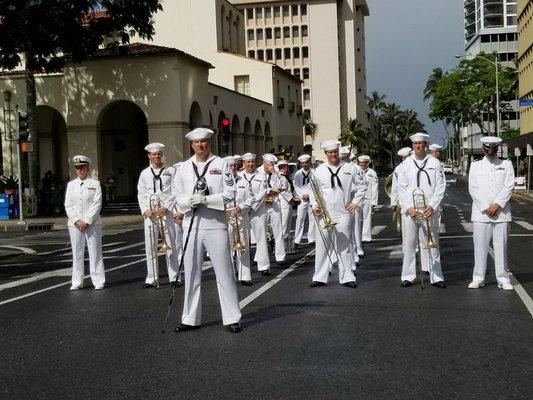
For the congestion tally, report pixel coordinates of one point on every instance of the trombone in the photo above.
(158, 237)
(419, 203)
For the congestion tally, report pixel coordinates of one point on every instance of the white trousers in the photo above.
(304, 211)
(216, 243)
(151, 236)
(367, 220)
(93, 237)
(286, 218)
(274, 218)
(242, 258)
(258, 221)
(336, 237)
(357, 243)
(483, 233)
(409, 237)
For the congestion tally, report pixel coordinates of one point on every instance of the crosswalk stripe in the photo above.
(468, 226)
(442, 228)
(525, 225)
(377, 230)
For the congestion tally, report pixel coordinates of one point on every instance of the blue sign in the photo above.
(525, 102)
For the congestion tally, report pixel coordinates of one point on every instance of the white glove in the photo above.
(197, 199)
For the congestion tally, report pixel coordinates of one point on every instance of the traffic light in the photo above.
(23, 126)
(226, 131)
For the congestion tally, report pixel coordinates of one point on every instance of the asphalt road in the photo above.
(379, 341)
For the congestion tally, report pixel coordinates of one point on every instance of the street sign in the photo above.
(529, 150)
(505, 150)
(525, 102)
(517, 152)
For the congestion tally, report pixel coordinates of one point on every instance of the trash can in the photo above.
(4, 207)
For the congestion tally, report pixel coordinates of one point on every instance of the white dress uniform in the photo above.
(258, 218)
(430, 177)
(371, 200)
(340, 185)
(491, 181)
(357, 216)
(158, 181)
(285, 199)
(273, 212)
(304, 210)
(83, 201)
(209, 230)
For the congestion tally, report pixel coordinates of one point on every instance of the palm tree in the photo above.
(310, 128)
(376, 102)
(353, 135)
(408, 125)
(390, 120)
(433, 82)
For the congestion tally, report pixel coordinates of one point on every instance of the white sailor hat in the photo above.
(199, 133)
(237, 157)
(329, 145)
(435, 146)
(363, 158)
(281, 162)
(154, 147)
(490, 141)
(248, 156)
(270, 158)
(81, 160)
(419, 137)
(404, 151)
(344, 151)
(304, 158)
(230, 160)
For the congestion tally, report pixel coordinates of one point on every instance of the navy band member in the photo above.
(491, 184)
(209, 230)
(304, 210)
(83, 201)
(371, 197)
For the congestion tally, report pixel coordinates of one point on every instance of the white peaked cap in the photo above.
(344, 151)
(248, 156)
(419, 137)
(363, 158)
(435, 146)
(329, 145)
(154, 147)
(230, 160)
(304, 158)
(199, 133)
(81, 160)
(404, 151)
(282, 162)
(270, 158)
(237, 157)
(490, 140)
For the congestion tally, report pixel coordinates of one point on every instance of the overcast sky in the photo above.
(405, 40)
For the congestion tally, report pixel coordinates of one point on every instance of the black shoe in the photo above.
(266, 273)
(281, 263)
(246, 283)
(148, 285)
(440, 284)
(352, 284)
(185, 327)
(407, 283)
(362, 256)
(235, 328)
(426, 273)
(366, 241)
(296, 246)
(317, 284)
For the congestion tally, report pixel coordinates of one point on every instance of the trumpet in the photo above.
(232, 216)
(158, 236)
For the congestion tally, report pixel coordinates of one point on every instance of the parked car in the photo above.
(448, 169)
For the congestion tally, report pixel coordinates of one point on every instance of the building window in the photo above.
(303, 9)
(268, 33)
(261, 55)
(278, 54)
(305, 52)
(259, 13)
(277, 33)
(259, 34)
(294, 10)
(287, 53)
(296, 52)
(304, 31)
(306, 73)
(277, 12)
(242, 84)
(250, 13)
(268, 12)
(251, 34)
(295, 32)
(296, 72)
(251, 53)
(269, 54)
(285, 11)
(286, 32)
(307, 94)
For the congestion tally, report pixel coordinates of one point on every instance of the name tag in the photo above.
(500, 169)
(91, 188)
(215, 171)
(241, 187)
(167, 173)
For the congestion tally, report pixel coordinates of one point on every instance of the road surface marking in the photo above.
(244, 302)
(468, 226)
(25, 250)
(442, 228)
(377, 230)
(36, 277)
(520, 291)
(525, 224)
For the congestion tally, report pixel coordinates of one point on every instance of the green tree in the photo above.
(358, 138)
(433, 82)
(39, 35)
(310, 128)
(408, 124)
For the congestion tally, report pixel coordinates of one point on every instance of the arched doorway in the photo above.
(53, 147)
(123, 131)
(249, 140)
(195, 116)
(237, 138)
(259, 139)
(268, 139)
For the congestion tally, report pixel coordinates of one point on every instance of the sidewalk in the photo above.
(60, 223)
(520, 195)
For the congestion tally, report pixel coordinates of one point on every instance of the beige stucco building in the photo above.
(111, 105)
(323, 43)
(525, 65)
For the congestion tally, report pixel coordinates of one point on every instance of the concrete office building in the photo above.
(525, 67)
(321, 42)
(490, 26)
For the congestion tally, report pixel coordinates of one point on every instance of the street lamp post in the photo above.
(495, 64)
